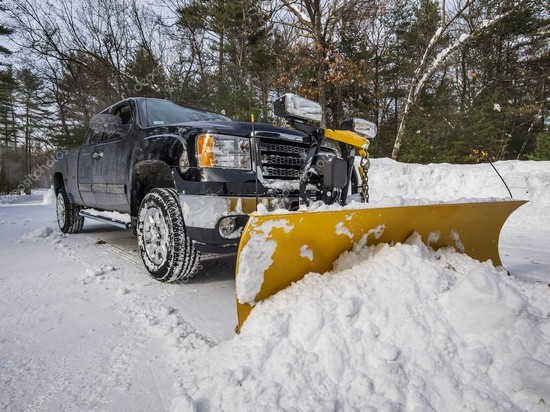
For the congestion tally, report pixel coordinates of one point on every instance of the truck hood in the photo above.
(232, 128)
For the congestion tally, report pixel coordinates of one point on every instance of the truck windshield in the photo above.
(163, 112)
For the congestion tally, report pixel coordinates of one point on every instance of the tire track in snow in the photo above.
(132, 257)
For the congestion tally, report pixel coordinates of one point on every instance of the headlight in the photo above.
(216, 150)
(296, 107)
(360, 126)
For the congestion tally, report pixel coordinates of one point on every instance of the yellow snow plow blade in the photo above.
(278, 249)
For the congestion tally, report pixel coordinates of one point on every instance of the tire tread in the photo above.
(183, 258)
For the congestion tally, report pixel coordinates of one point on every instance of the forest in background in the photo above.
(441, 79)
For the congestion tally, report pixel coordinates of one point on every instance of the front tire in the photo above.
(68, 217)
(166, 250)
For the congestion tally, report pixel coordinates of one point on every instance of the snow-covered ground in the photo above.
(83, 327)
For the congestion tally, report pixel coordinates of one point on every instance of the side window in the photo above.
(87, 136)
(125, 114)
(92, 137)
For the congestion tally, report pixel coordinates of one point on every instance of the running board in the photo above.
(105, 219)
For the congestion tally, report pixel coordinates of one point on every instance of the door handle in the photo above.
(97, 155)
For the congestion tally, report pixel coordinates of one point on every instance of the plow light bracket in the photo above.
(290, 106)
(360, 126)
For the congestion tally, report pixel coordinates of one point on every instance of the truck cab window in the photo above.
(92, 137)
(125, 114)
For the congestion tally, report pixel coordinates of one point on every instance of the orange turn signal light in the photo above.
(205, 150)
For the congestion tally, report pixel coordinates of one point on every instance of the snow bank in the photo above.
(402, 183)
(394, 327)
(48, 197)
(390, 328)
(394, 184)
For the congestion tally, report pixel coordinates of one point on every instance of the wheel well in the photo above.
(58, 181)
(148, 175)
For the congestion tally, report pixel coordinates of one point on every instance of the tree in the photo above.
(7, 88)
(6, 79)
(8, 126)
(445, 77)
(318, 21)
(32, 118)
(430, 62)
(4, 184)
(230, 43)
(147, 74)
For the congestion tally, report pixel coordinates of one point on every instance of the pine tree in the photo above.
(4, 185)
(7, 88)
(33, 114)
(236, 36)
(503, 98)
(8, 126)
(147, 77)
(6, 79)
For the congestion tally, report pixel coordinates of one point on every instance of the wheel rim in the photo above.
(155, 236)
(60, 206)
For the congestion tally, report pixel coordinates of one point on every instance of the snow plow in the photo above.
(281, 247)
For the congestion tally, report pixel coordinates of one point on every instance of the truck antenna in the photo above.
(486, 156)
(254, 160)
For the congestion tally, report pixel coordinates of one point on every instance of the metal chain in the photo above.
(365, 164)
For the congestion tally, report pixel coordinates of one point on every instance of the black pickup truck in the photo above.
(186, 179)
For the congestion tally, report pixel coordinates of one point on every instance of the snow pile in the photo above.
(391, 327)
(98, 272)
(49, 197)
(255, 259)
(394, 327)
(396, 183)
(41, 232)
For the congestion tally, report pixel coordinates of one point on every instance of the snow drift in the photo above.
(393, 327)
(394, 182)
(390, 328)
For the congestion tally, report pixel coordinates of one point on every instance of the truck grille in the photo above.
(282, 148)
(283, 159)
(280, 173)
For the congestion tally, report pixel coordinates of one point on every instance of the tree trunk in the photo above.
(220, 57)
(538, 119)
(320, 55)
(28, 151)
(401, 129)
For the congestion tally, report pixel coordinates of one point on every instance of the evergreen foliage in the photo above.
(357, 57)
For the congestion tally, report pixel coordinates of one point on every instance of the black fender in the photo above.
(57, 180)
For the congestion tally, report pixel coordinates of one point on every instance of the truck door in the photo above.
(111, 176)
(88, 162)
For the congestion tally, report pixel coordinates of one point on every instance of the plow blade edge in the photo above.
(278, 249)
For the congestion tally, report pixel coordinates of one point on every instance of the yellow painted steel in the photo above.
(472, 228)
(348, 137)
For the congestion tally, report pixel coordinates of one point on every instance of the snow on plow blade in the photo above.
(278, 249)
